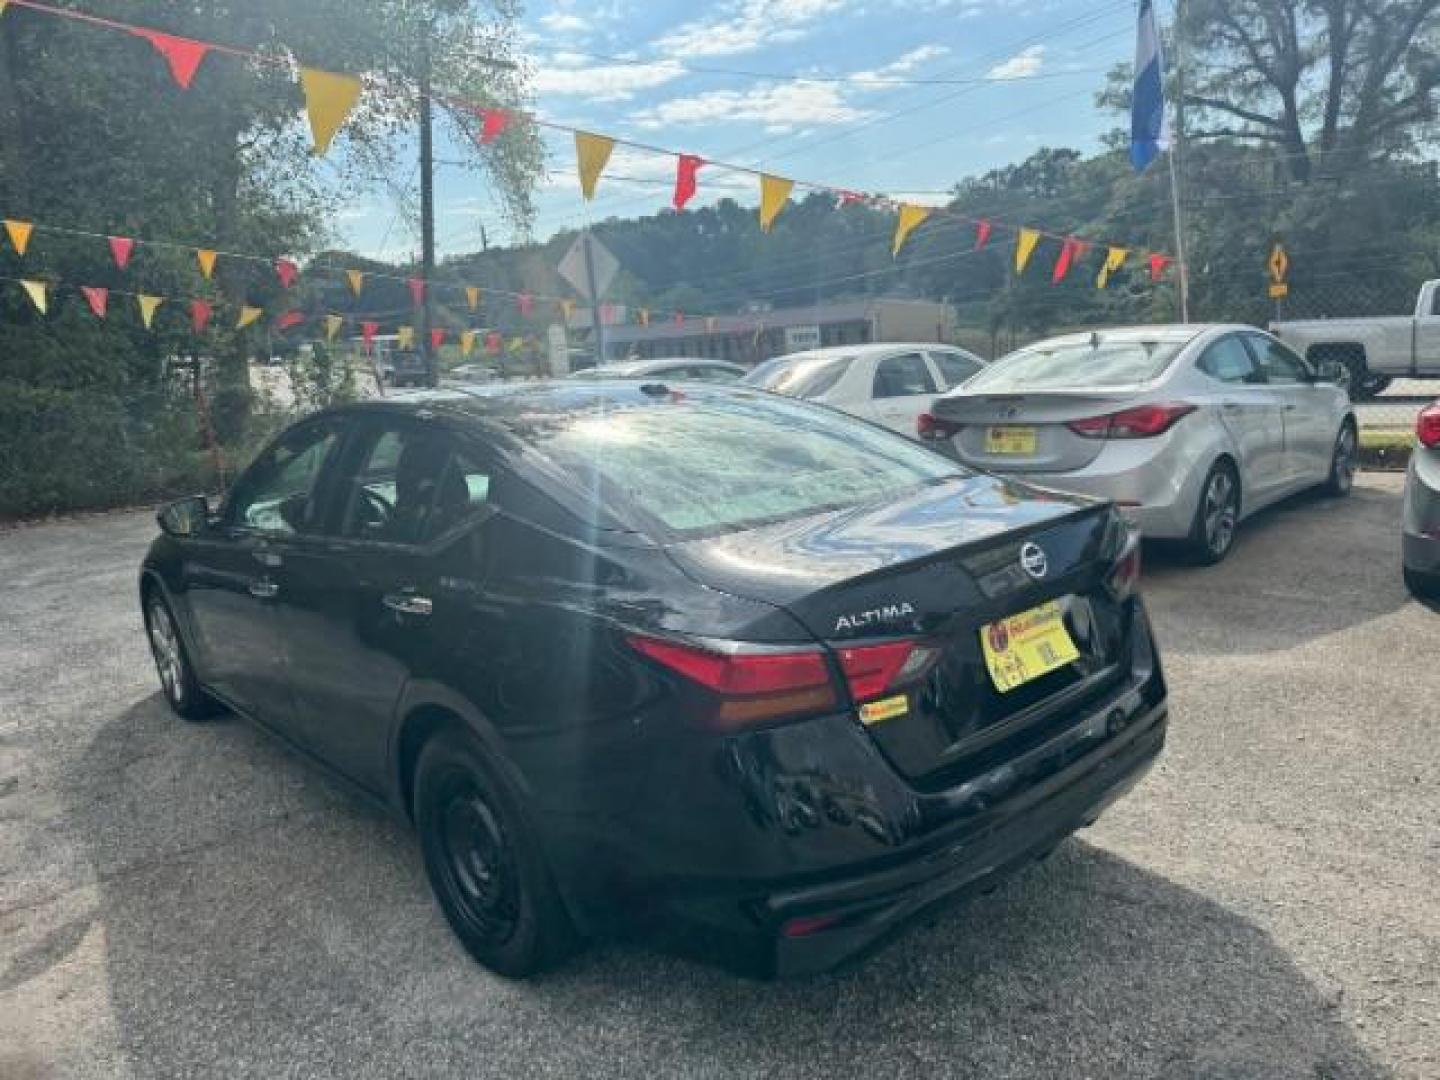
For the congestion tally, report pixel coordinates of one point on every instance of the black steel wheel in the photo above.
(484, 860)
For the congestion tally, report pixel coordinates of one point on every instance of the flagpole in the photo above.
(1183, 266)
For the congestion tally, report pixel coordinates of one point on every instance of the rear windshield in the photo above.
(714, 465)
(808, 377)
(1078, 364)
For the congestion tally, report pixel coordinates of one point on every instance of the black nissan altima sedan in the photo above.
(745, 673)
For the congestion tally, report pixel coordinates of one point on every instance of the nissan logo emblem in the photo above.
(1033, 561)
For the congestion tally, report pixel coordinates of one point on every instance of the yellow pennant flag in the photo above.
(2, 6)
(328, 101)
(206, 258)
(567, 309)
(910, 217)
(516, 344)
(472, 297)
(148, 304)
(248, 315)
(1025, 244)
(332, 326)
(774, 190)
(20, 234)
(1113, 261)
(405, 337)
(36, 291)
(467, 342)
(356, 279)
(591, 154)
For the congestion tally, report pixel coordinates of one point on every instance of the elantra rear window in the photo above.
(1077, 365)
(713, 465)
(808, 377)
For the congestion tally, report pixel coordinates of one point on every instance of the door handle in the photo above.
(408, 603)
(263, 588)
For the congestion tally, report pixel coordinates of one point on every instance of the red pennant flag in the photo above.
(526, 303)
(492, 123)
(493, 343)
(182, 54)
(685, 182)
(417, 290)
(1071, 252)
(120, 248)
(97, 298)
(437, 338)
(1158, 263)
(287, 272)
(289, 319)
(368, 330)
(200, 312)
(982, 234)
(846, 198)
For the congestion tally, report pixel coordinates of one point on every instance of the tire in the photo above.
(484, 860)
(1342, 462)
(1217, 515)
(1422, 586)
(182, 690)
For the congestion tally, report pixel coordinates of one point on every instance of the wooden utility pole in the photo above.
(427, 214)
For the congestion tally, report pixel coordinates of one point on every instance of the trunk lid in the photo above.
(938, 566)
(1041, 414)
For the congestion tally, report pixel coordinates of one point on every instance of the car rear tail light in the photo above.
(871, 670)
(930, 426)
(806, 925)
(1123, 577)
(1427, 425)
(1141, 422)
(747, 686)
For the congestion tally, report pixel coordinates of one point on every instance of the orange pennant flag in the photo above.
(472, 297)
(36, 290)
(405, 337)
(1025, 243)
(591, 154)
(248, 315)
(467, 342)
(206, 258)
(774, 191)
(328, 100)
(567, 309)
(148, 304)
(356, 279)
(20, 234)
(910, 218)
(332, 326)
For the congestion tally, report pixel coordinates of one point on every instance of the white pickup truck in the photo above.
(1373, 351)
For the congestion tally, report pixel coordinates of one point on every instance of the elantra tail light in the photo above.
(1141, 422)
(930, 426)
(1427, 425)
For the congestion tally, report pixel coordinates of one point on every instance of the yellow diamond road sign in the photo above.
(1279, 264)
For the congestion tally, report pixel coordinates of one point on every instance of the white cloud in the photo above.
(746, 25)
(564, 22)
(779, 107)
(565, 74)
(899, 67)
(1022, 65)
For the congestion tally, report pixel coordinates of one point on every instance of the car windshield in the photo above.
(700, 465)
(1056, 365)
(802, 376)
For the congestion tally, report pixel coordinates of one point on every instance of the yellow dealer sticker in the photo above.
(1027, 646)
(884, 709)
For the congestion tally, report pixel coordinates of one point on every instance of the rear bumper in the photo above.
(1420, 519)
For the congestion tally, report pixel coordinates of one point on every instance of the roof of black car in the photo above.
(504, 401)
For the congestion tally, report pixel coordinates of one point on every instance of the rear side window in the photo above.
(955, 368)
(903, 376)
(809, 377)
(697, 465)
(1229, 361)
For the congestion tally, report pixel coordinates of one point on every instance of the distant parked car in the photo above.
(1189, 428)
(889, 384)
(405, 369)
(473, 373)
(1421, 521)
(678, 367)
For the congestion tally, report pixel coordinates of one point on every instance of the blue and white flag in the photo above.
(1149, 127)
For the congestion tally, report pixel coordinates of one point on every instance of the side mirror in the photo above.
(294, 511)
(185, 517)
(1332, 371)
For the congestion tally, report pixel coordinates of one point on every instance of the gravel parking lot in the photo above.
(191, 900)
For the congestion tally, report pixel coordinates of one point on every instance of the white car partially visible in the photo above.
(890, 384)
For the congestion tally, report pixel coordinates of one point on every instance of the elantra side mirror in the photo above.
(185, 517)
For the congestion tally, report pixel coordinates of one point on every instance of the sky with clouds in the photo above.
(903, 97)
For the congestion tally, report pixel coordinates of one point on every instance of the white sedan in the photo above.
(890, 384)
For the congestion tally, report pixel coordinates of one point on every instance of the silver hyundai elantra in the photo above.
(1190, 429)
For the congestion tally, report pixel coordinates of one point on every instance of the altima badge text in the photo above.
(888, 613)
